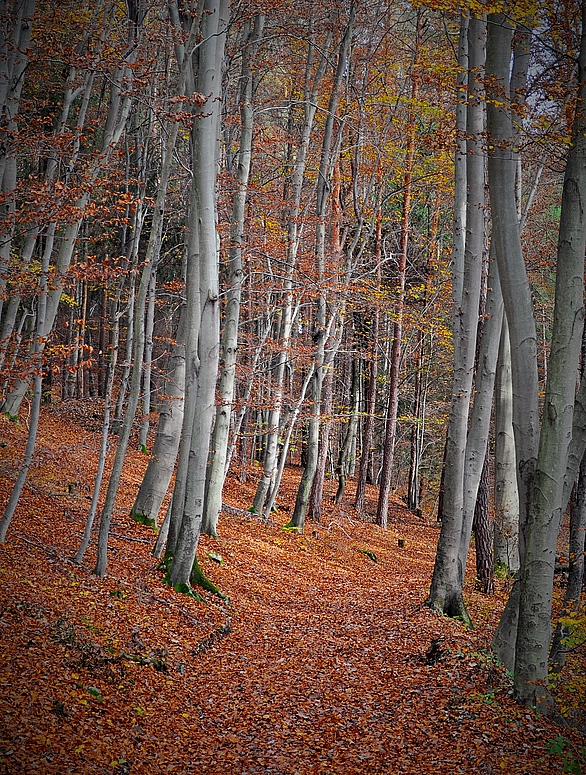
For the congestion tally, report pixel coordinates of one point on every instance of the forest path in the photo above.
(324, 669)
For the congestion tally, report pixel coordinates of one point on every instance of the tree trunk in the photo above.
(448, 576)
(345, 456)
(516, 296)
(287, 440)
(483, 533)
(229, 343)
(537, 570)
(152, 257)
(479, 427)
(542, 501)
(314, 507)
(38, 348)
(159, 471)
(320, 337)
(105, 433)
(366, 452)
(15, 35)
(506, 496)
(148, 363)
(382, 510)
(206, 138)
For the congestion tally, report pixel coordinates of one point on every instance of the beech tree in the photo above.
(202, 275)
(524, 642)
(446, 587)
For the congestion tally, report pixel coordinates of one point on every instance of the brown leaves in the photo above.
(325, 663)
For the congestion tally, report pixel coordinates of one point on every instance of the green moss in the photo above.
(199, 579)
(143, 449)
(11, 417)
(185, 589)
(142, 519)
(291, 528)
(371, 555)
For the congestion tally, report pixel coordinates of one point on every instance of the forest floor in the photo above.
(321, 663)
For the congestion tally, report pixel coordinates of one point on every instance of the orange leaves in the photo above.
(324, 669)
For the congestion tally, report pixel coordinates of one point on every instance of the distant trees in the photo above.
(248, 223)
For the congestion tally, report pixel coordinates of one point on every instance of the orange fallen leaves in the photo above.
(323, 669)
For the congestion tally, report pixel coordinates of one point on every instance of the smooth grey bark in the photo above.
(15, 35)
(506, 499)
(105, 433)
(459, 234)
(345, 461)
(148, 362)
(272, 496)
(157, 477)
(151, 260)
(126, 428)
(445, 595)
(38, 348)
(229, 342)
(479, 425)
(181, 375)
(206, 139)
(322, 197)
(506, 496)
(193, 315)
(537, 569)
(516, 296)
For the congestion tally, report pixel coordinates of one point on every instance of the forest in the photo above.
(292, 386)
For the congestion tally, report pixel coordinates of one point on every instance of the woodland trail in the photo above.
(328, 666)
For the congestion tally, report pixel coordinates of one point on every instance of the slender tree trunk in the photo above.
(151, 260)
(206, 138)
(105, 434)
(148, 363)
(38, 348)
(320, 337)
(159, 471)
(506, 496)
(537, 570)
(345, 456)
(382, 511)
(118, 111)
(229, 343)
(314, 506)
(483, 533)
(517, 299)
(286, 442)
(366, 454)
(448, 577)
(479, 426)
(15, 35)
(543, 505)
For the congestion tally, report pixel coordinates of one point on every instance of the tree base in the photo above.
(454, 608)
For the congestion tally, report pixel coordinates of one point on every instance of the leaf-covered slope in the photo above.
(325, 661)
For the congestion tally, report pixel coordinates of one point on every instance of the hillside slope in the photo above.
(325, 660)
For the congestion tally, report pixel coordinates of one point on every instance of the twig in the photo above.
(341, 528)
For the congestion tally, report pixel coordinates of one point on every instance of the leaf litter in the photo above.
(324, 661)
